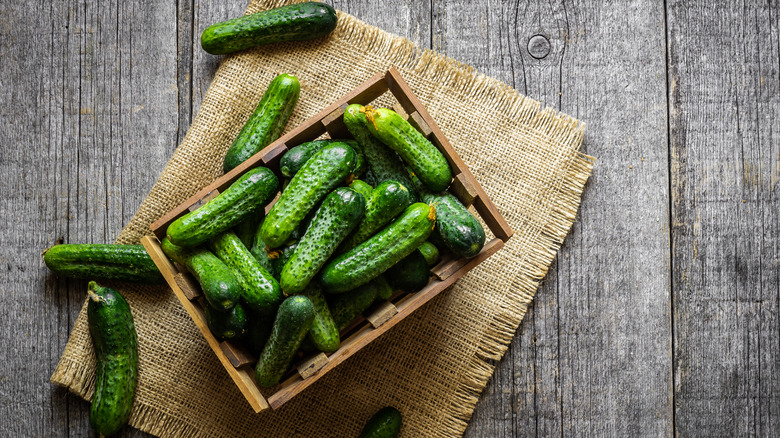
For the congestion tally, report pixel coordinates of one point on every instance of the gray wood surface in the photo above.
(660, 314)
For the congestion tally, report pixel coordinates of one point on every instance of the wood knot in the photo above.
(539, 46)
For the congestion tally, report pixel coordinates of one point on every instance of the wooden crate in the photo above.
(381, 317)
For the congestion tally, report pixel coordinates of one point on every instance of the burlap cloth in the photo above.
(433, 365)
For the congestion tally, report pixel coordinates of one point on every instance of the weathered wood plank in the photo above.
(725, 102)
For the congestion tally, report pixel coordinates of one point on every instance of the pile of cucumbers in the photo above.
(350, 226)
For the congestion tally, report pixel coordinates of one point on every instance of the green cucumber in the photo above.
(295, 22)
(280, 256)
(217, 282)
(410, 274)
(386, 202)
(103, 261)
(247, 229)
(430, 252)
(258, 331)
(344, 308)
(323, 333)
(292, 161)
(459, 230)
(267, 121)
(257, 248)
(386, 423)
(261, 291)
(383, 163)
(323, 172)
(227, 325)
(291, 325)
(361, 187)
(116, 347)
(339, 213)
(386, 248)
(427, 162)
(244, 197)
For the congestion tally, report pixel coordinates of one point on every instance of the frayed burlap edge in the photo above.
(462, 78)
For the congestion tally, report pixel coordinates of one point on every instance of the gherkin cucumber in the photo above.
(386, 423)
(227, 325)
(361, 187)
(386, 202)
(103, 261)
(386, 248)
(458, 229)
(344, 308)
(339, 213)
(429, 252)
(410, 274)
(292, 161)
(116, 347)
(280, 256)
(323, 333)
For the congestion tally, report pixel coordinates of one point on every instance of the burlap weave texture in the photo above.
(434, 364)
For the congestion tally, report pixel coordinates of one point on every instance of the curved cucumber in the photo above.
(116, 346)
(427, 162)
(326, 170)
(459, 230)
(244, 197)
(386, 423)
(383, 163)
(227, 325)
(323, 333)
(410, 274)
(296, 22)
(261, 292)
(339, 213)
(361, 187)
(429, 252)
(386, 202)
(380, 252)
(292, 322)
(267, 121)
(103, 261)
(220, 287)
(292, 161)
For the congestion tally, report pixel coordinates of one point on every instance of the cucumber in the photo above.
(410, 274)
(244, 197)
(261, 291)
(296, 22)
(281, 255)
(459, 230)
(227, 325)
(218, 284)
(430, 252)
(323, 172)
(247, 229)
(106, 262)
(386, 202)
(258, 331)
(267, 121)
(386, 423)
(386, 248)
(339, 213)
(292, 322)
(344, 308)
(383, 163)
(116, 347)
(295, 158)
(323, 333)
(361, 187)
(257, 248)
(427, 162)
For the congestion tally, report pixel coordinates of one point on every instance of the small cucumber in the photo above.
(257, 248)
(292, 322)
(247, 229)
(344, 308)
(386, 423)
(295, 22)
(383, 163)
(261, 290)
(103, 261)
(427, 162)
(280, 257)
(323, 172)
(267, 121)
(339, 213)
(220, 287)
(361, 187)
(410, 274)
(430, 252)
(227, 325)
(116, 347)
(459, 230)
(292, 161)
(244, 197)
(386, 202)
(323, 333)
(386, 248)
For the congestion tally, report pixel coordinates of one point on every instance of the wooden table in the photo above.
(660, 314)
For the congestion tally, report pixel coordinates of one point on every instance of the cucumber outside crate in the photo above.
(381, 317)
